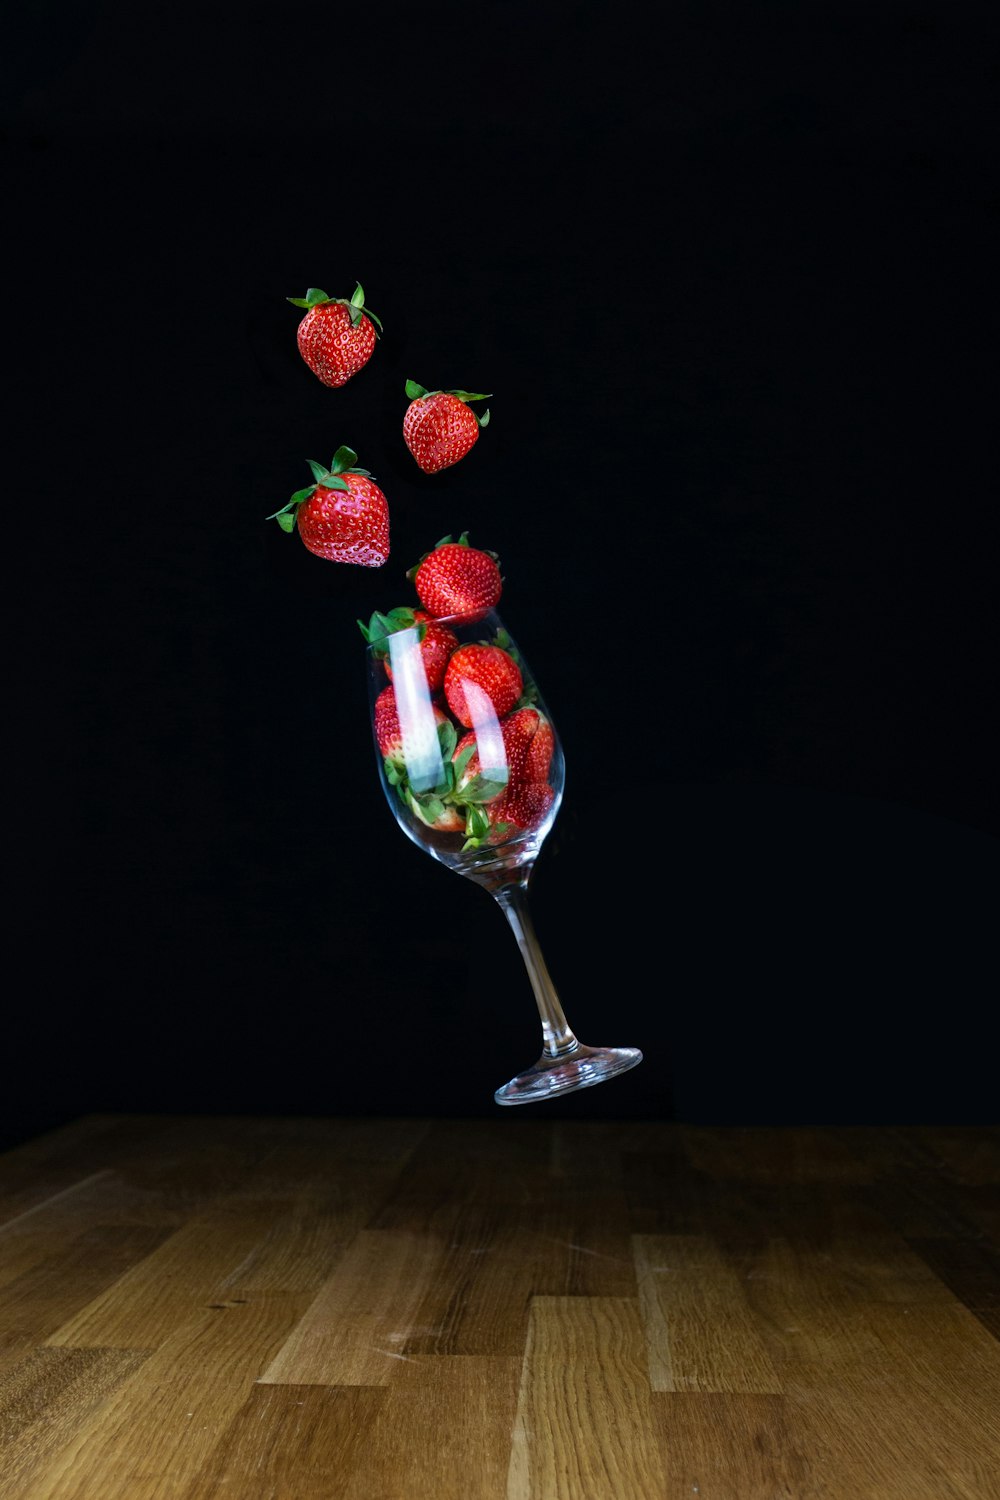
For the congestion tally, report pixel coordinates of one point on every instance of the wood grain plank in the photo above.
(444, 1432)
(776, 1155)
(292, 1442)
(188, 1271)
(465, 1163)
(36, 1303)
(430, 1279)
(584, 1428)
(325, 1187)
(971, 1271)
(667, 1195)
(42, 1168)
(155, 1435)
(355, 1326)
(494, 1261)
(700, 1332)
(895, 1396)
(968, 1154)
(732, 1447)
(45, 1399)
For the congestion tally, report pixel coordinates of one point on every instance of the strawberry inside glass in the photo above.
(473, 771)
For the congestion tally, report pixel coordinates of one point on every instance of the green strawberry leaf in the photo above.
(318, 469)
(314, 296)
(484, 420)
(286, 521)
(376, 321)
(299, 302)
(293, 502)
(447, 739)
(427, 808)
(334, 482)
(484, 788)
(344, 458)
(503, 640)
(470, 395)
(448, 784)
(358, 297)
(415, 391)
(381, 626)
(463, 760)
(477, 823)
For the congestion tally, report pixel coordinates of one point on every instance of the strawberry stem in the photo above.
(343, 462)
(355, 304)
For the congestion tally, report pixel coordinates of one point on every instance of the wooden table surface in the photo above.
(526, 1309)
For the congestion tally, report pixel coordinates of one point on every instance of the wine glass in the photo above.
(473, 771)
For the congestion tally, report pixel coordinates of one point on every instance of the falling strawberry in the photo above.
(437, 642)
(439, 428)
(456, 579)
(343, 516)
(336, 337)
(481, 682)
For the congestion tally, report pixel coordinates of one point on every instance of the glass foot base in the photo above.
(580, 1068)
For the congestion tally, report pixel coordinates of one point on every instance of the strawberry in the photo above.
(481, 681)
(437, 642)
(522, 808)
(524, 755)
(456, 579)
(343, 516)
(505, 798)
(538, 757)
(335, 337)
(426, 803)
(387, 730)
(439, 428)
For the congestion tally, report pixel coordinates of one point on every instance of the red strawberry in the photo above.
(387, 729)
(519, 760)
(343, 516)
(481, 681)
(540, 751)
(456, 579)
(436, 645)
(425, 803)
(522, 808)
(439, 428)
(335, 337)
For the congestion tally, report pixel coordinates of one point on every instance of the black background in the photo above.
(728, 271)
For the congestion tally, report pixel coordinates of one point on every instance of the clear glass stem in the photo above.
(558, 1040)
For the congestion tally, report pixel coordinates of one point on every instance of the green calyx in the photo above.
(355, 304)
(417, 392)
(343, 462)
(450, 541)
(430, 803)
(381, 626)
